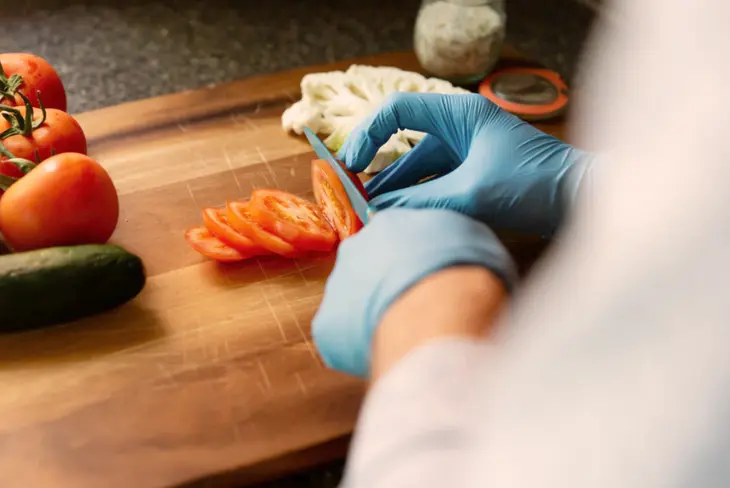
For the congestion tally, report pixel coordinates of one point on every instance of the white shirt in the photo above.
(612, 369)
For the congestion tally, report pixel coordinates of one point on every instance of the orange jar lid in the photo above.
(530, 93)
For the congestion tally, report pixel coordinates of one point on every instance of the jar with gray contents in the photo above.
(459, 40)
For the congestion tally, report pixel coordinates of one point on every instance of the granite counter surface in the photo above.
(108, 54)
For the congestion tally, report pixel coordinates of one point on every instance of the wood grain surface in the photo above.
(209, 377)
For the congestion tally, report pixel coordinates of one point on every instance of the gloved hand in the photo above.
(377, 265)
(493, 166)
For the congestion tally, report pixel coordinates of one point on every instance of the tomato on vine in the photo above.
(68, 199)
(38, 136)
(28, 74)
(11, 168)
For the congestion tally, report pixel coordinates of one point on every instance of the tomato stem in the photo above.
(4, 151)
(22, 125)
(23, 164)
(9, 85)
(42, 120)
(6, 182)
(15, 119)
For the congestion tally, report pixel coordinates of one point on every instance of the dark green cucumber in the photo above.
(60, 284)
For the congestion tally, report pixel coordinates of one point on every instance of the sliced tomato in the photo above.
(216, 221)
(242, 221)
(208, 245)
(294, 219)
(353, 177)
(331, 196)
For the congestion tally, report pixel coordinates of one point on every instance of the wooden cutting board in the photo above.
(210, 375)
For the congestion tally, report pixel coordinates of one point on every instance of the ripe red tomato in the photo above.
(241, 220)
(201, 239)
(37, 75)
(9, 169)
(68, 199)
(59, 133)
(331, 196)
(297, 221)
(216, 221)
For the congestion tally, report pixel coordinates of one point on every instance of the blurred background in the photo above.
(108, 53)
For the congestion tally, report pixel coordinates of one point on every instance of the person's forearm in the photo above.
(456, 302)
(425, 355)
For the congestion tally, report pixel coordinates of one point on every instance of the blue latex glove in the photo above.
(494, 166)
(376, 266)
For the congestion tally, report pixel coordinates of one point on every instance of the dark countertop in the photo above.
(108, 54)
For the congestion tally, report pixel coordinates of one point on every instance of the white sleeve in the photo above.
(411, 429)
(613, 369)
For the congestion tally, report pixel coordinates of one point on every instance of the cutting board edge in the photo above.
(287, 464)
(233, 95)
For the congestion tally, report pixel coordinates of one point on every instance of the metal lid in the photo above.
(530, 93)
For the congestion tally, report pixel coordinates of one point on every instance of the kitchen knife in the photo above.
(359, 204)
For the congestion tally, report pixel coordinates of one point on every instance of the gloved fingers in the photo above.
(445, 192)
(331, 338)
(449, 117)
(401, 247)
(429, 157)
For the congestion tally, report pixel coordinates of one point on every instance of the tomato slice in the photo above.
(294, 219)
(216, 221)
(208, 245)
(331, 196)
(353, 177)
(241, 220)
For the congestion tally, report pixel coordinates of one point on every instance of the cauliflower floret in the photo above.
(396, 147)
(305, 113)
(333, 103)
(435, 85)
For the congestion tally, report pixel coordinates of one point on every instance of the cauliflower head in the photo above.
(334, 102)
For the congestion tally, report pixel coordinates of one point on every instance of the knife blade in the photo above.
(359, 204)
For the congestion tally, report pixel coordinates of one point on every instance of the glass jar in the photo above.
(459, 40)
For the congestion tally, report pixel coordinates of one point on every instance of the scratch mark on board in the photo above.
(300, 271)
(230, 167)
(289, 95)
(271, 309)
(264, 375)
(249, 122)
(258, 261)
(242, 120)
(172, 382)
(305, 338)
(276, 317)
(301, 384)
(190, 191)
(268, 166)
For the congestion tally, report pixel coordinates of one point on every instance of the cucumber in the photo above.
(60, 284)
